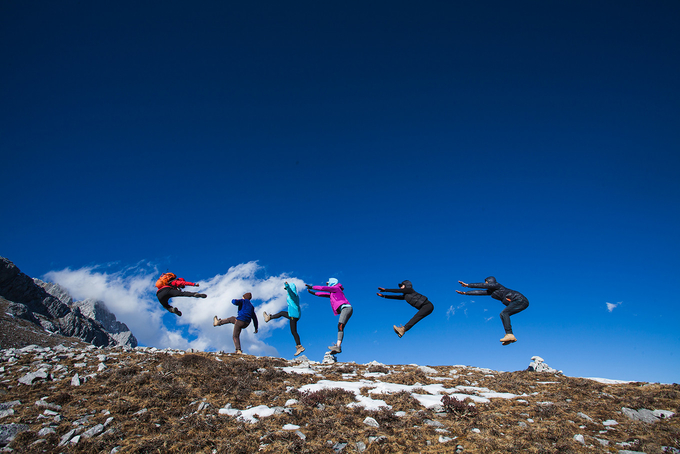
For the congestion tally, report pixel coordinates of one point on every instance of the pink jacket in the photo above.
(335, 294)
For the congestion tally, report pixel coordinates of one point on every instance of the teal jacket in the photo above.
(293, 301)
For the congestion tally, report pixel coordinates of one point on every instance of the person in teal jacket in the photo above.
(293, 314)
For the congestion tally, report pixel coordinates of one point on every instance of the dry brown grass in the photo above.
(171, 387)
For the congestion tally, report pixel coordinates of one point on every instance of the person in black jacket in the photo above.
(415, 299)
(514, 301)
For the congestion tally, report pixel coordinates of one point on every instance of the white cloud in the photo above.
(452, 310)
(612, 306)
(130, 294)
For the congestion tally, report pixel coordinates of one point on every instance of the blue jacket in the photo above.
(246, 311)
(293, 300)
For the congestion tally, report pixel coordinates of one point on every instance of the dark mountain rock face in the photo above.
(52, 308)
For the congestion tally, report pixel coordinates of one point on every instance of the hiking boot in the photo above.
(176, 311)
(238, 352)
(216, 321)
(508, 339)
(400, 330)
(267, 317)
(299, 350)
(200, 295)
(335, 349)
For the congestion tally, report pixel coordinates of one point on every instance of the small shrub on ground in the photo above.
(458, 408)
(333, 396)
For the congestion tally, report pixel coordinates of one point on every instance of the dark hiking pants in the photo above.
(293, 325)
(512, 308)
(166, 293)
(238, 326)
(425, 310)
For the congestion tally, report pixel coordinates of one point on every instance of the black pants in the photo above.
(512, 308)
(425, 310)
(293, 325)
(166, 293)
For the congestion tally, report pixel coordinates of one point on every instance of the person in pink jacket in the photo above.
(339, 304)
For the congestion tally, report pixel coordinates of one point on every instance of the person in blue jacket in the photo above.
(293, 314)
(246, 313)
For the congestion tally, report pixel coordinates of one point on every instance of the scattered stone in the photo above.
(361, 446)
(301, 435)
(584, 416)
(371, 422)
(66, 437)
(338, 447)
(290, 402)
(45, 431)
(443, 439)
(538, 365)
(329, 358)
(6, 413)
(9, 431)
(94, 431)
(643, 415)
(477, 431)
(75, 381)
(290, 427)
(663, 414)
(602, 442)
(43, 404)
(30, 377)
(610, 422)
(433, 423)
(6, 405)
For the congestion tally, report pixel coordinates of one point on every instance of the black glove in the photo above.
(308, 286)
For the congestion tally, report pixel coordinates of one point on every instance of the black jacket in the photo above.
(412, 297)
(496, 291)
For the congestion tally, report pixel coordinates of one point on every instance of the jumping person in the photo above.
(415, 299)
(246, 313)
(514, 301)
(339, 304)
(169, 287)
(293, 314)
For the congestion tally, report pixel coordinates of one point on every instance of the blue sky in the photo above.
(372, 142)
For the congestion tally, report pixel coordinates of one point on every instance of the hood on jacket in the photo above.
(490, 280)
(293, 287)
(332, 281)
(406, 284)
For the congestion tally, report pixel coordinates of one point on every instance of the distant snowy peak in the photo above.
(94, 310)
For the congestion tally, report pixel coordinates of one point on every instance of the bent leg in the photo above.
(513, 308)
(280, 314)
(224, 321)
(423, 312)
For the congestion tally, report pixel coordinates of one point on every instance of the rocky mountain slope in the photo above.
(49, 307)
(76, 398)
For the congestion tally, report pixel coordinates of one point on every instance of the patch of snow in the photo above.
(607, 381)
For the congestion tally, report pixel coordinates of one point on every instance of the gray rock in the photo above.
(9, 431)
(43, 404)
(30, 301)
(443, 439)
(584, 416)
(579, 438)
(66, 437)
(371, 422)
(329, 358)
(433, 423)
(301, 435)
(94, 431)
(75, 381)
(338, 447)
(30, 377)
(6, 413)
(7, 405)
(643, 415)
(45, 431)
(361, 446)
(538, 365)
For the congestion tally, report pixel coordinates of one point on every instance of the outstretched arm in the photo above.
(474, 292)
(391, 297)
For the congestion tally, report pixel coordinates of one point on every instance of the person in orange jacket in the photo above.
(169, 286)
